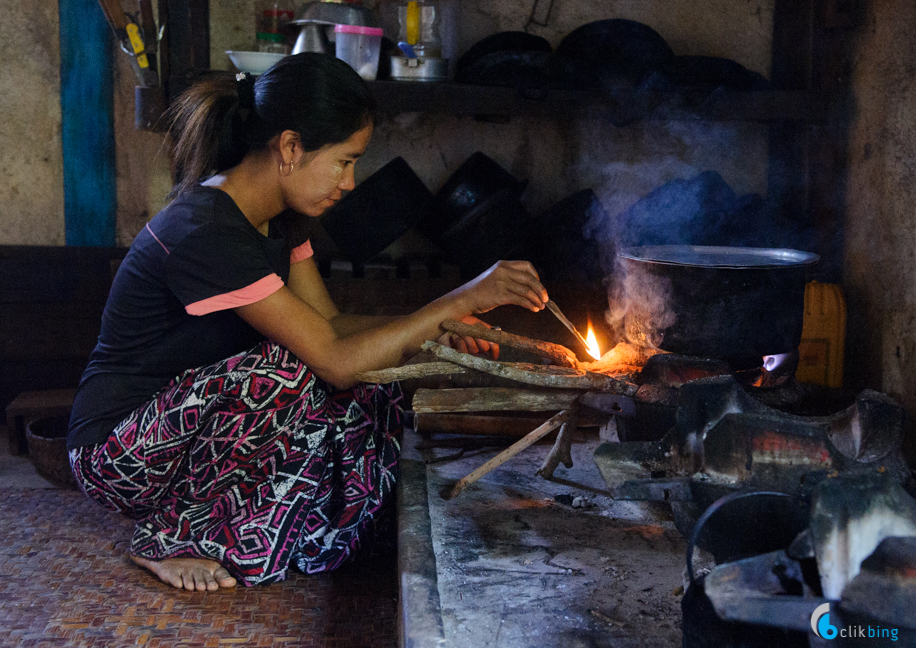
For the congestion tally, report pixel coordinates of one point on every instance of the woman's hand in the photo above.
(472, 345)
(506, 282)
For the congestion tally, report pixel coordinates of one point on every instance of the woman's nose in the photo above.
(347, 180)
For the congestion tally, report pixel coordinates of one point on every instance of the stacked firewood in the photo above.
(556, 385)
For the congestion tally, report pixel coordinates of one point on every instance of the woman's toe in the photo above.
(223, 578)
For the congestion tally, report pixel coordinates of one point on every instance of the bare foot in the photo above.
(188, 573)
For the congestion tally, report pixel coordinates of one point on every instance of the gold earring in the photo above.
(285, 173)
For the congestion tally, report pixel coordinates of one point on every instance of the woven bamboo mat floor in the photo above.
(65, 580)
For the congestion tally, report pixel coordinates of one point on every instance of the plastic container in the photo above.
(823, 337)
(419, 28)
(359, 46)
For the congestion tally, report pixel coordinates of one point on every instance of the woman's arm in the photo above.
(308, 329)
(306, 283)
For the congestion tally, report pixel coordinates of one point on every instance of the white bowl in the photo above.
(253, 62)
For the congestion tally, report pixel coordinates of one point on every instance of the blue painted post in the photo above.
(87, 128)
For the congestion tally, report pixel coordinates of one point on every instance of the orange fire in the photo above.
(592, 343)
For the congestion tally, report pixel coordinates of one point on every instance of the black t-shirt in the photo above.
(170, 305)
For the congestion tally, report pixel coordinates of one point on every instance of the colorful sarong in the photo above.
(254, 462)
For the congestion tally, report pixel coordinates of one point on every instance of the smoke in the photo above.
(638, 305)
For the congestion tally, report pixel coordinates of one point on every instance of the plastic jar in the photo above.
(419, 28)
(360, 47)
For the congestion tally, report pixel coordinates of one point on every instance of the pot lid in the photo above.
(720, 257)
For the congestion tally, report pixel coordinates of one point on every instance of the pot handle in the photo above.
(709, 512)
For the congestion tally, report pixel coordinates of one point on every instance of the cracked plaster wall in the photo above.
(31, 168)
(880, 226)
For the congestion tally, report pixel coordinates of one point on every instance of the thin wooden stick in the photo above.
(538, 433)
(558, 353)
(561, 452)
(565, 321)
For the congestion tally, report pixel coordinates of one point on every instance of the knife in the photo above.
(128, 34)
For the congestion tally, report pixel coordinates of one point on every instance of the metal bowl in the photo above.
(334, 13)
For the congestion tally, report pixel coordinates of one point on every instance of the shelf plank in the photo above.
(459, 98)
(449, 98)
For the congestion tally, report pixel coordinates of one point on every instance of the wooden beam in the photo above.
(87, 124)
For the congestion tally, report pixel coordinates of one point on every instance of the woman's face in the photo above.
(319, 178)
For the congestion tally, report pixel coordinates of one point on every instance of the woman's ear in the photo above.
(290, 146)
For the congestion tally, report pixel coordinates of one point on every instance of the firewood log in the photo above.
(419, 370)
(491, 399)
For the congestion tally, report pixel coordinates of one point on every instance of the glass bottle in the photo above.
(272, 25)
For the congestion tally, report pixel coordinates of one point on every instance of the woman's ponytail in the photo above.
(208, 128)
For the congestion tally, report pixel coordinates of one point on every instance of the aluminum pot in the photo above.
(735, 303)
(316, 22)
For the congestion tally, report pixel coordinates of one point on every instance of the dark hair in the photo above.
(316, 95)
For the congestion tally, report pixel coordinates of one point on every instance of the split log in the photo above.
(405, 372)
(515, 424)
(538, 433)
(557, 353)
(540, 375)
(562, 447)
(475, 424)
(491, 399)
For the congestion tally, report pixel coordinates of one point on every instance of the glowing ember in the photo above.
(592, 341)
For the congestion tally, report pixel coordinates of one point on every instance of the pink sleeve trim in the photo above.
(302, 252)
(242, 297)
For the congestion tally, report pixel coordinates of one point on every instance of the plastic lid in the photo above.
(358, 29)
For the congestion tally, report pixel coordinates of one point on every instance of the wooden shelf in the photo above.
(448, 98)
(458, 98)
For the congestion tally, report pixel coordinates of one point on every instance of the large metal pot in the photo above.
(735, 303)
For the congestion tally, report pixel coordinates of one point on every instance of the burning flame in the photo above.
(592, 343)
(770, 362)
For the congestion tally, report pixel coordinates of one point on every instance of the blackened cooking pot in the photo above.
(735, 303)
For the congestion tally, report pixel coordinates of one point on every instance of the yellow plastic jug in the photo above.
(823, 337)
